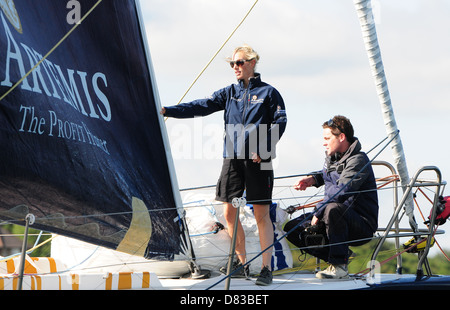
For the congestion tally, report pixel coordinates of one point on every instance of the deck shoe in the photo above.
(241, 273)
(265, 277)
(333, 272)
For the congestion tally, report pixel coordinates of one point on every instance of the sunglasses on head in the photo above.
(330, 123)
(238, 63)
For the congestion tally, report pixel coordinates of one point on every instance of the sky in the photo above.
(313, 53)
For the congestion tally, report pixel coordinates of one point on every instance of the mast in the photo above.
(367, 22)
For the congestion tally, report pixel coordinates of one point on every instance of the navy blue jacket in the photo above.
(254, 117)
(358, 193)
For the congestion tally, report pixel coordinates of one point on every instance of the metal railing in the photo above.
(414, 182)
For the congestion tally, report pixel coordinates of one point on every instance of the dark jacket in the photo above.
(252, 116)
(358, 193)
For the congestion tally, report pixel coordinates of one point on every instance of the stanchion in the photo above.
(29, 220)
(237, 203)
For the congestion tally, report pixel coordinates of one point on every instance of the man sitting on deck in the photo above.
(349, 210)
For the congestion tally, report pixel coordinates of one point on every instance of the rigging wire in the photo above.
(362, 272)
(52, 50)
(62, 40)
(18, 83)
(423, 218)
(310, 215)
(216, 53)
(197, 205)
(367, 270)
(195, 80)
(29, 251)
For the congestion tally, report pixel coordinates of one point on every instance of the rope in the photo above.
(216, 53)
(423, 218)
(367, 270)
(51, 51)
(29, 251)
(297, 207)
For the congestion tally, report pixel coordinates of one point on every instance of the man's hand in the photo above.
(304, 183)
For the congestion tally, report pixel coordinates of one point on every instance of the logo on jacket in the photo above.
(10, 11)
(255, 100)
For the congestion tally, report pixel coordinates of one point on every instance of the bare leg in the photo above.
(230, 217)
(265, 229)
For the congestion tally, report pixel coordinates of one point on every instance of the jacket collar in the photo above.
(253, 82)
(354, 148)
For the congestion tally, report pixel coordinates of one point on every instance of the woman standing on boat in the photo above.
(255, 120)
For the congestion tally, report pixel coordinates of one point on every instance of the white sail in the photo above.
(367, 22)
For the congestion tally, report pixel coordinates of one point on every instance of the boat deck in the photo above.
(297, 281)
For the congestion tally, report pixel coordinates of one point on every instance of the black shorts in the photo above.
(243, 174)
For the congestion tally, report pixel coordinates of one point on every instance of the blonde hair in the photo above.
(249, 52)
